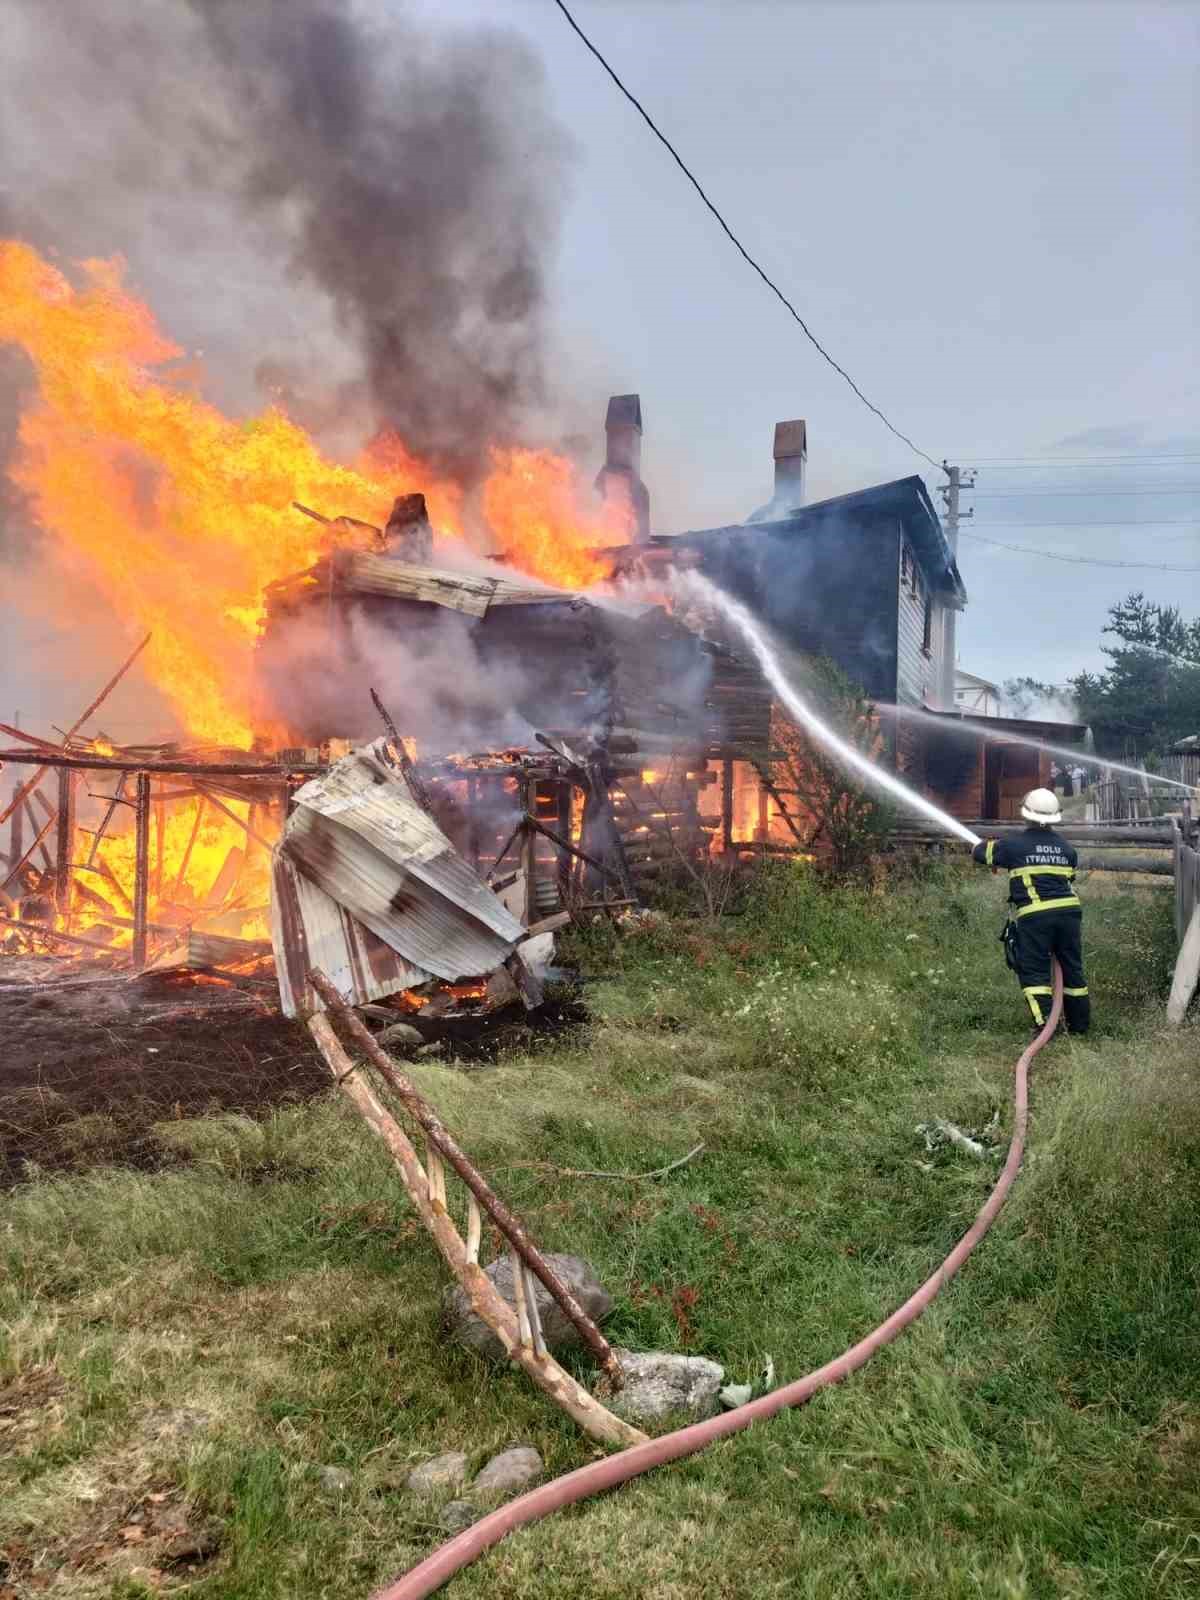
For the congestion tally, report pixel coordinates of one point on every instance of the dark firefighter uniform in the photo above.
(1046, 919)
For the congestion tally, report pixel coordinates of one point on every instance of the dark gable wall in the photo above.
(831, 589)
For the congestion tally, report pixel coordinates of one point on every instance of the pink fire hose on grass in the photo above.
(459, 1552)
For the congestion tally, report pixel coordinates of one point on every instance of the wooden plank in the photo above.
(64, 850)
(141, 868)
(1187, 971)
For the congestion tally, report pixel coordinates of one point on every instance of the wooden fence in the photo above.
(1187, 916)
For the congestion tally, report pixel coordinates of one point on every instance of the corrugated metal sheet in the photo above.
(308, 930)
(358, 834)
(196, 949)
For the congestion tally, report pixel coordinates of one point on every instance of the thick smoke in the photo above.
(404, 180)
(420, 179)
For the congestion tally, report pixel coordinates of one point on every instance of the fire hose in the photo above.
(457, 1553)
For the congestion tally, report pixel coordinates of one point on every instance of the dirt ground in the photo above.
(89, 1064)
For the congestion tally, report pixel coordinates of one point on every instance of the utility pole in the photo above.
(950, 492)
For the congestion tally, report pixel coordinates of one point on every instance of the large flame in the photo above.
(533, 504)
(181, 516)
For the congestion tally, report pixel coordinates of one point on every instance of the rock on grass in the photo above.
(660, 1385)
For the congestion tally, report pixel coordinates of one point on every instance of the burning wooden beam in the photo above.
(141, 868)
(51, 760)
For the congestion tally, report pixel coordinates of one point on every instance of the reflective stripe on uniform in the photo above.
(1076, 992)
(1041, 872)
(1064, 904)
(1031, 994)
(989, 852)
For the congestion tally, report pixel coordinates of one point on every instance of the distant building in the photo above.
(976, 694)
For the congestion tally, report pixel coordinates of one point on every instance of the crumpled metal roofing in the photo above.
(358, 835)
(309, 929)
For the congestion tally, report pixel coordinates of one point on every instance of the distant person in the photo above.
(1068, 784)
(1080, 779)
(1046, 918)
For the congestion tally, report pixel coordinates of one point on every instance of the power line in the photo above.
(1080, 522)
(1033, 463)
(1058, 494)
(736, 242)
(1081, 561)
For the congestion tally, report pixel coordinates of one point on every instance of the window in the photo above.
(927, 641)
(908, 571)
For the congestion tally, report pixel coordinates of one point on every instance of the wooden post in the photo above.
(440, 1138)
(16, 836)
(566, 797)
(727, 804)
(141, 868)
(596, 1420)
(473, 822)
(64, 843)
(529, 853)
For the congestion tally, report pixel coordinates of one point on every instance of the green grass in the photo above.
(217, 1332)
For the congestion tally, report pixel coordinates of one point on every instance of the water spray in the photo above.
(839, 748)
(998, 736)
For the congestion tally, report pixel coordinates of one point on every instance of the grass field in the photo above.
(186, 1349)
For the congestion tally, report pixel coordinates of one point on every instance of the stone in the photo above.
(400, 1036)
(508, 1472)
(335, 1480)
(659, 1385)
(448, 1471)
(457, 1515)
(578, 1275)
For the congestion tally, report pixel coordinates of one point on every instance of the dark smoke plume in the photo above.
(404, 178)
(421, 178)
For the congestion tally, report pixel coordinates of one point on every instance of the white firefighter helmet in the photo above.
(1041, 805)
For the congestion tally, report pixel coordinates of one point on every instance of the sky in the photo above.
(986, 212)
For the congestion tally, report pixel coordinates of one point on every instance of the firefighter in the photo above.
(1046, 918)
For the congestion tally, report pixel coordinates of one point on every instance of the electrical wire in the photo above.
(1088, 522)
(1045, 463)
(1081, 561)
(736, 242)
(1057, 494)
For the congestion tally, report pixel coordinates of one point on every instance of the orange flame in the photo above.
(533, 502)
(181, 516)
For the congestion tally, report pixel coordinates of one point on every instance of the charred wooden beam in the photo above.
(44, 932)
(46, 760)
(64, 850)
(126, 763)
(14, 872)
(250, 832)
(141, 868)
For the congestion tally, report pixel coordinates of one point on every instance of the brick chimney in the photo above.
(791, 460)
(620, 478)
